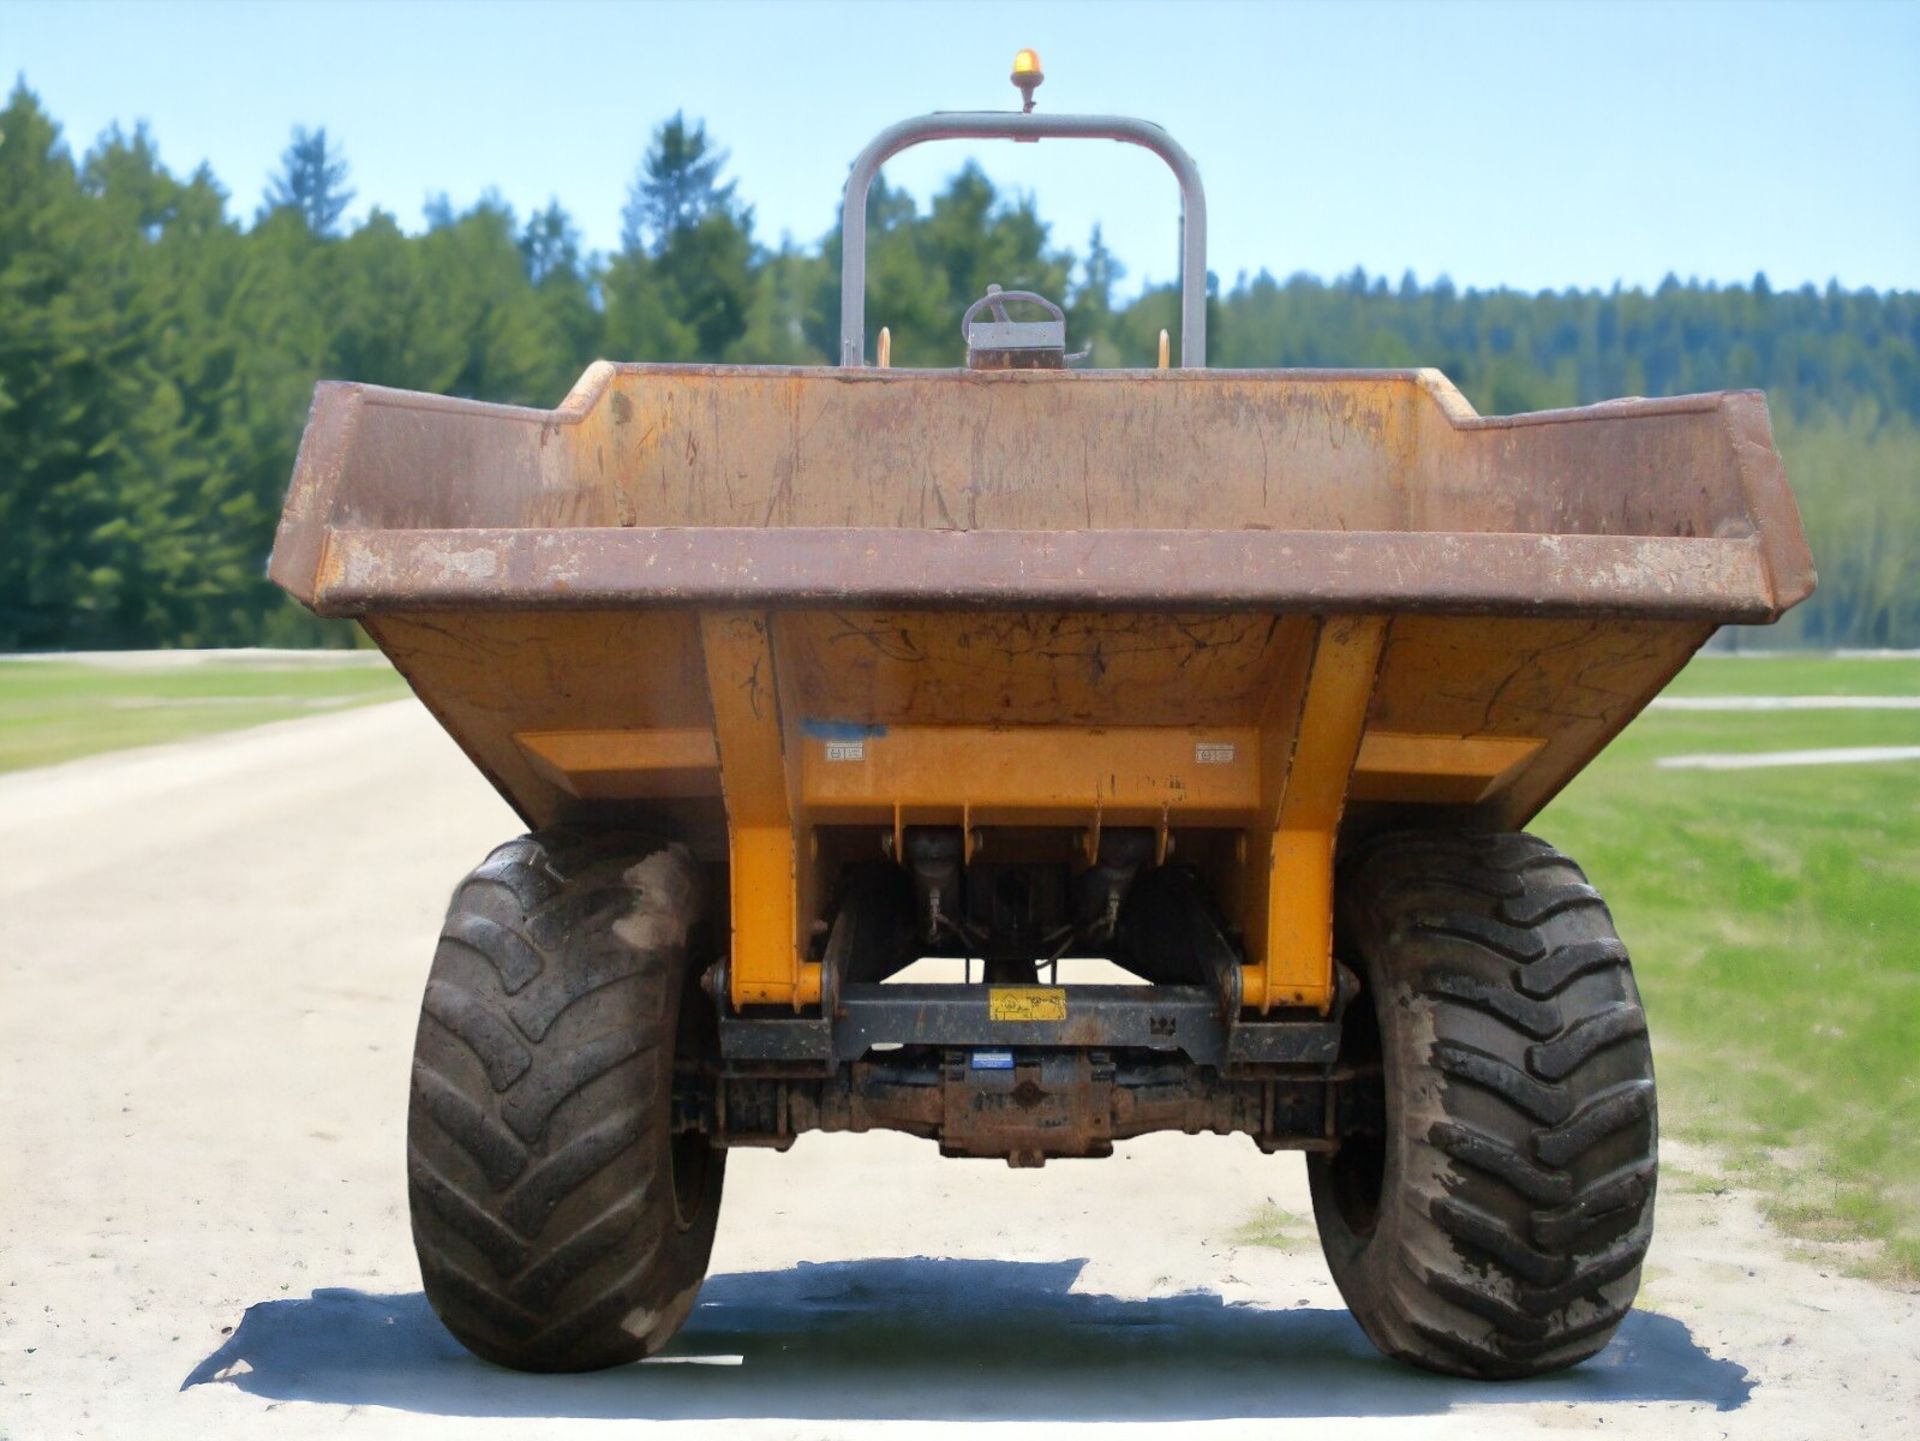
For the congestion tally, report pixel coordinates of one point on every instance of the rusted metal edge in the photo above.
(1771, 508)
(1682, 578)
(585, 397)
(308, 528)
(327, 446)
(300, 542)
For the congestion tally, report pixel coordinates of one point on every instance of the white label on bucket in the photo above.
(1213, 753)
(846, 750)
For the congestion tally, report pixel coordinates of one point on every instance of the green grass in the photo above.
(1277, 1229)
(1809, 674)
(1774, 919)
(57, 710)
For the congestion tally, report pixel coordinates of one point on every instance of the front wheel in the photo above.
(1496, 1227)
(560, 1221)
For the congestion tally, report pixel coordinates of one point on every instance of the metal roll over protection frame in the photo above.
(1011, 125)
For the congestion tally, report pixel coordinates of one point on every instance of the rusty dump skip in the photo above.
(743, 486)
(791, 610)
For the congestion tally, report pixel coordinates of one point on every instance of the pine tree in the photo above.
(504, 344)
(54, 335)
(1090, 316)
(786, 297)
(677, 188)
(311, 181)
(681, 287)
(564, 280)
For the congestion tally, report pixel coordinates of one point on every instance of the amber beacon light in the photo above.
(1028, 75)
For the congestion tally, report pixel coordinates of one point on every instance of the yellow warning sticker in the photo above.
(1026, 1003)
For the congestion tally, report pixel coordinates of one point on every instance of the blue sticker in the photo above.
(827, 730)
(993, 1060)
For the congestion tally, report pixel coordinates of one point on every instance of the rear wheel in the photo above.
(1497, 1227)
(560, 1222)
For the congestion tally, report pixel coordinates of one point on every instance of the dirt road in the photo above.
(210, 959)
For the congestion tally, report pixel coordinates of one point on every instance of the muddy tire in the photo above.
(560, 1223)
(1497, 1228)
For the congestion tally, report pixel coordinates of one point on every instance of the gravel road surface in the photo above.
(210, 959)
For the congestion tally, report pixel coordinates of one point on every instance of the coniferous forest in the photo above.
(157, 354)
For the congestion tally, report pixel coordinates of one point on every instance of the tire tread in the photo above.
(543, 1215)
(1512, 1243)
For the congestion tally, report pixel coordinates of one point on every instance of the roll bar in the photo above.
(1013, 125)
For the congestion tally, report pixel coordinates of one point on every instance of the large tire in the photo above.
(561, 1225)
(1497, 1228)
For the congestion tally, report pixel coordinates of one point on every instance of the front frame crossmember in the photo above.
(1185, 1021)
(1033, 1105)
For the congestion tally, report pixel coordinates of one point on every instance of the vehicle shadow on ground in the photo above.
(923, 1339)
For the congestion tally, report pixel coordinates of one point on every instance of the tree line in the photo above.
(157, 354)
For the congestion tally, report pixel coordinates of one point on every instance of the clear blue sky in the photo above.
(1500, 143)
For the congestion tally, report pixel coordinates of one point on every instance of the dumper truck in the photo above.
(1028, 757)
